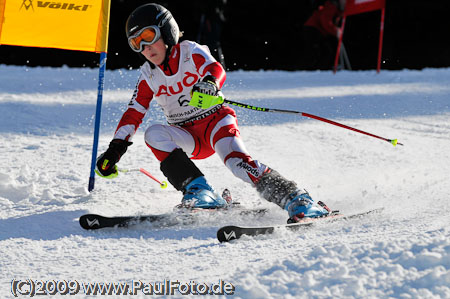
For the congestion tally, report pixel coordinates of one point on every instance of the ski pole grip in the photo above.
(204, 101)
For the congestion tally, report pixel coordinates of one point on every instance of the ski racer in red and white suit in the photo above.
(171, 73)
(200, 133)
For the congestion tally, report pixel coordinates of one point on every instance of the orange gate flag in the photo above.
(67, 24)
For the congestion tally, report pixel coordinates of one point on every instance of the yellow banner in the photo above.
(68, 24)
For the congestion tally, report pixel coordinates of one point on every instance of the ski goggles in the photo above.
(146, 36)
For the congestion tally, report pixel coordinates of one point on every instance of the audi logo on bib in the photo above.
(189, 79)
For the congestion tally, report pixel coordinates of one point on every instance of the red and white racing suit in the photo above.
(199, 132)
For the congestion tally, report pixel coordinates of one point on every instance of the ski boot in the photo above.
(184, 175)
(302, 206)
(275, 188)
(199, 194)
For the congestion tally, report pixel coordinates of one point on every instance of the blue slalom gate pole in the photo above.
(98, 112)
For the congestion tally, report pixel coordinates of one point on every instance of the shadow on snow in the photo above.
(60, 224)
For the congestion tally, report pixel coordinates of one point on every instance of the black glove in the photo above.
(208, 85)
(106, 162)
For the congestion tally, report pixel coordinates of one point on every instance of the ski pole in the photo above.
(162, 184)
(394, 142)
(205, 101)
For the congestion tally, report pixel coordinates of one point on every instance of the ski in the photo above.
(232, 232)
(182, 217)
(94, 221)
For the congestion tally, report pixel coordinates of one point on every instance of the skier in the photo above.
(172, 71)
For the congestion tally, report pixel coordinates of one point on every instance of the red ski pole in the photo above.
(394, 142)
(162, 184)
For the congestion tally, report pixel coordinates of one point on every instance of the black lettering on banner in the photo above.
(60, 5)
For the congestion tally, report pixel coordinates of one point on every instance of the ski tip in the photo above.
(84, 221)
(90, 221)
(228, 233)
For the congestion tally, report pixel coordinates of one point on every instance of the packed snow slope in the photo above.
(46, 133)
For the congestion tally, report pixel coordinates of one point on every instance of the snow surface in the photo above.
(404, 252)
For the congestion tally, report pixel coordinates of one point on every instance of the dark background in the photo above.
(262, 34)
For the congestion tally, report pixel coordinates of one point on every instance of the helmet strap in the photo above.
(166, 60)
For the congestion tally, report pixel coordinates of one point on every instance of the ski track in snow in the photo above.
(404, 252)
